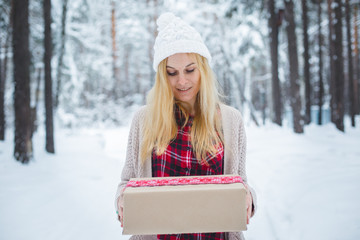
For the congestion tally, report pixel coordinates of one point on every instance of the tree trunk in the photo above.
(306, 63)
(356, 63)
(34, 121)
(338, 67)
(276, 92)
(294, 67)
(331, 60)
(21, 58)
(152, 30)
(350, 65)
(321, 84)
(61, 54)
(48, 81)
(2, 95)
(3, 76)
(116, 71)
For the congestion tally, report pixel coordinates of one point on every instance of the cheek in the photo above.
(172, 84)
(197, 82)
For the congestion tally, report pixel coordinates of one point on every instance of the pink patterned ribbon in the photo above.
(184, 181)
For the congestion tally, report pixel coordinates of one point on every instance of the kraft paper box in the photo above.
(188, 208)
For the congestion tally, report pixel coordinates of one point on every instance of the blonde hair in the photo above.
(160, 126)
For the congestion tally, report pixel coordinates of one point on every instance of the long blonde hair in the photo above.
(160, 126)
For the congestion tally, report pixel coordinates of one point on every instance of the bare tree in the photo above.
(274, 22)
(295, 100)
(21, 59)
(48, 81)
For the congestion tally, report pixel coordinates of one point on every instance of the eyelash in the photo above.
(175, 73)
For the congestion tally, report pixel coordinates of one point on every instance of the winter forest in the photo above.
(72, 73)
(86, 62)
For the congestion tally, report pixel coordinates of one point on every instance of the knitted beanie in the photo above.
(176, 36)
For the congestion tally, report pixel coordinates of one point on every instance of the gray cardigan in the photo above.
(234, 156)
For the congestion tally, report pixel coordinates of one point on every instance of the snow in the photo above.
(307, 185)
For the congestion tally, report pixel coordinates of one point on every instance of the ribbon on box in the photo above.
(184, 181)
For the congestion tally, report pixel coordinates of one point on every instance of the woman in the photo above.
(184, 129)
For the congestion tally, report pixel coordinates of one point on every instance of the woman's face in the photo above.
(184, 77)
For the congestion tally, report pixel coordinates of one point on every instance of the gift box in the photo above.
(193, 204)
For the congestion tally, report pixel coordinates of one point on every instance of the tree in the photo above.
(306, 63)
(356, 63)
(21, 60)
(295, 100)
(2, 95)
(321, 84)
(2, 91)
(274, 22)
(48, 81)
(331, 59)
(116, 70)
(350, 66)
(61, 54)
(338, 91)
(151, 27)
(4, 42)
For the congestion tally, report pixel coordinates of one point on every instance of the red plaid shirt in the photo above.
(179, 160)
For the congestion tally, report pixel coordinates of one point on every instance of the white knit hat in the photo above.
(176, 36)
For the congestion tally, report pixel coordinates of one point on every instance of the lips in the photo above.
(183, 89)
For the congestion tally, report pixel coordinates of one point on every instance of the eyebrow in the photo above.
(185, 66)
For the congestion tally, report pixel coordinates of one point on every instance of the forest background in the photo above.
(87, 62)
(72, 73)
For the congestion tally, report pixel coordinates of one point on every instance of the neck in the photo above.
(188, 107)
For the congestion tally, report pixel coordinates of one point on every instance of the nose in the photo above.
(182, 79)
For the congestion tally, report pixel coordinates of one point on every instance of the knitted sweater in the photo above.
(234, 156)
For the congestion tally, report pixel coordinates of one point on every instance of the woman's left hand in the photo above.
(249, 202)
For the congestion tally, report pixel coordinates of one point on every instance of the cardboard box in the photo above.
(188, 208)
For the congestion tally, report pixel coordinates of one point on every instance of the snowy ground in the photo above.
(307, 185)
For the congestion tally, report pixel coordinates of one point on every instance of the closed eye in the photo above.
(171, 73)
(190, 70)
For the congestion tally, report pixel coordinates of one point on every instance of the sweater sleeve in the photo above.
(132, 156)
(242, 162)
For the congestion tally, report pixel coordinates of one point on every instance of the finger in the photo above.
(248, 214)
(122, 216)
(120, 220)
